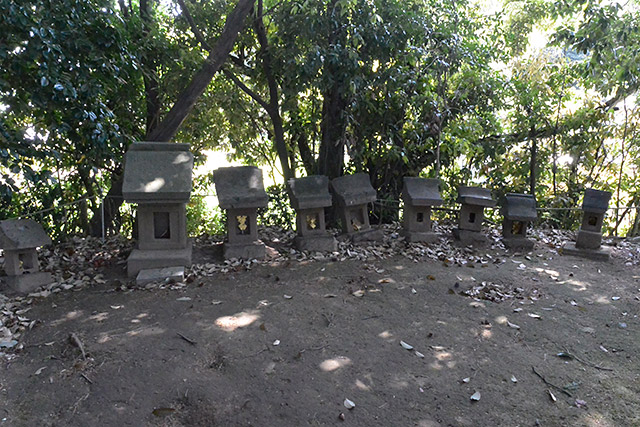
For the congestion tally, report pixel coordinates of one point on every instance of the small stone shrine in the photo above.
(518, 211)
(309, 196)
(473, 200)
(157, 176)
(241, 192)
(353, 193)
(419, 196)
(19, 239)
(589, 240)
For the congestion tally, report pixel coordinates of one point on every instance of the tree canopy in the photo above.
(533, 96)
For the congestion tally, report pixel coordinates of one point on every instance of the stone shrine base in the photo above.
(518, 243)
(601, 254)
(364, 236)
(172, 274)
(321, 243)
(150, 259)
(253, 250)
(27, 282)
(467, 237)
(420, 236)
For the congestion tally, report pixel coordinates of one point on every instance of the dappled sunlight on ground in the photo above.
(602, 299)
(362, 386)
(99, 317)
(386, 335)
(596, 420)
(443, 358)
(577, 284)
(146, 331)
(71, 315)
(330, 365)
(238, 320)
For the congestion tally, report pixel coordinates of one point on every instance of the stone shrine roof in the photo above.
(596, 201)
(309, 192)
(22, 234)
(351, 190)
(519, 207)
(157, 172)
(475, 196)
(421, 191)
(240, 187)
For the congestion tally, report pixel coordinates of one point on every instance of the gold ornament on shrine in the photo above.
(242, 222)
(311, 222)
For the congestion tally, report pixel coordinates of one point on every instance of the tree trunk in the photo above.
(274, 98)
(150, 76)
(331, 156)
(333, 126)
(533, 163)
(183, 106)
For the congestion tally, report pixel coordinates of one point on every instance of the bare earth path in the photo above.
(284, 343)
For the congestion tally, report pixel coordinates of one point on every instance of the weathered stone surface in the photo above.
(253, 250)
(468, 237)
(353, 190)
(157, 172)
(473, 200)
(365, 236)
(22, 234)
(421, 191)
(475, 196)
(588, 239)
(26, 283)
(419, 195)
(240, 187)
(309, 192)
(518, 243)
(417, 236)
(149, 259)
(471, 217)
(518, 211)
(596, 200)
(174, 274)
(601, 254)
(519, 207)
(322, 243)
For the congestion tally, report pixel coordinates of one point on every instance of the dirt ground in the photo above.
(540, 338)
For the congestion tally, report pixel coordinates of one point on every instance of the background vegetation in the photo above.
(534, 96)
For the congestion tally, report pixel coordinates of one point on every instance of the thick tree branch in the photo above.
(274, 98)
(187, 99)
(246, 89)
(194, 28)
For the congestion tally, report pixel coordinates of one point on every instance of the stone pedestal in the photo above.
(589, 240)
(309, 197)
(20, 238)
(419, 196)
(241, 192)
(473, 201)
(157, 176)
(352, 194)
(518, 211)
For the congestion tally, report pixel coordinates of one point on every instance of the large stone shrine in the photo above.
(353, 193)
(157, 176)
(473, 201)
(419, 196)
(19, 239)
(309, 196)
(518, 211)
(589, 240)
(241, 192)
